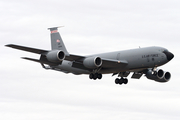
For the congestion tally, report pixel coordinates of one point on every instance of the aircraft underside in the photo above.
(121, 73)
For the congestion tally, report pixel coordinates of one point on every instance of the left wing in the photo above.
(76, 59)
(28, 49)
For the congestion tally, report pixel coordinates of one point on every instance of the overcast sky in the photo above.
(28, 92)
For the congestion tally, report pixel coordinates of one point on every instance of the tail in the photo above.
(56, 40)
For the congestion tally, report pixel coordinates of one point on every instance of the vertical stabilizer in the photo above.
(56, 40)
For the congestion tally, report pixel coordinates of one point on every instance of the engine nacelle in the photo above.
(92, 62)
(167, 76)
(55, 56)
(158, 76)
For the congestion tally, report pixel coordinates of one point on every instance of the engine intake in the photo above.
(159, 75)
(55, 56)
(167, 76)
(92, 62)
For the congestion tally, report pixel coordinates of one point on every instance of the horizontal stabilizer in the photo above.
(31, 59)
(39, 61)
(28, 49)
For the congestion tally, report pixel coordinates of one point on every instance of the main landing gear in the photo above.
(121, 80)
(95, 76)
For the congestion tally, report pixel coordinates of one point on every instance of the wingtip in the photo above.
(26, 58)
(23, 57)
(8, 45)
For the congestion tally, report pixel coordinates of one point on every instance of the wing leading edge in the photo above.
(28, 49)
(76, 59)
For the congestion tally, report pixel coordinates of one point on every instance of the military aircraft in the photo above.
(121, 63)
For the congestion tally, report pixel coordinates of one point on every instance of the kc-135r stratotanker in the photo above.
(139, 61)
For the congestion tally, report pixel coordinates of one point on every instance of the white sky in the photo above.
(29, 92)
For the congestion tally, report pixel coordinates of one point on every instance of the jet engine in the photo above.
(55, 56)
(158, 75)
(92, 62)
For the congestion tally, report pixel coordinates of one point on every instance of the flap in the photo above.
(71, 57)
(136, 75)
(108, 63)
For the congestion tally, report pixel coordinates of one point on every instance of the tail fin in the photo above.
(56, 40)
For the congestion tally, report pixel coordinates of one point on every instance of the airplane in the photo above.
(121, 63)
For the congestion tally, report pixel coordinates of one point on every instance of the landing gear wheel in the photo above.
(117, 81)
(99, 76)
(125, 81)
(95, 76)
(91, 76)
(121, 81)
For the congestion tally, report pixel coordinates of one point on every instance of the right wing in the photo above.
(106, 63)
(111, 63)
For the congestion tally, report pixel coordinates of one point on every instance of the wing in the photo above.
(110, 63)
(28, 49)
(76, 59)
(106, 63)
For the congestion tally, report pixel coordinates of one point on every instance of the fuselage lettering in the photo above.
(150, 55)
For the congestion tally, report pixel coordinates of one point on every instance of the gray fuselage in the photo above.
(138, 59)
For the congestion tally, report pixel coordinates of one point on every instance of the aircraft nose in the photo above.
(169, 55)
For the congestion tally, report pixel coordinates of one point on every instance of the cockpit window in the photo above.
(164, 50)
